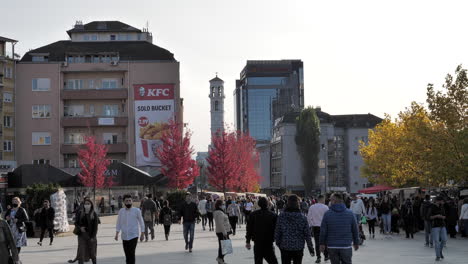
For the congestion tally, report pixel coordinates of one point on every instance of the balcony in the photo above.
(120, 147)
(94, 121)
(94, 94)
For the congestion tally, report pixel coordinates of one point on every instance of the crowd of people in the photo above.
(333, 223)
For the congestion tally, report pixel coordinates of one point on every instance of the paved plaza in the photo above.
(395, 250)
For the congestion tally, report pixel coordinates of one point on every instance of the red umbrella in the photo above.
(375, 189)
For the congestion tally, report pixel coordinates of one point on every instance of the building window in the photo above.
(7, 97)
(41, 162)
(75, 84)
(75, 138)
(110, 110)
(90, 84)
(216, 106)
(219, 91)
(40, 58)
(8, 72)
(109, 84)
(41, 111)
(110, 138)
(8, 145)
(355, 153)
(7, 121)
(86, 37)
(73, 110)
(112, 37)
(41, 84)
(94, 37)
(41, 138)
(73, 163)
(356, 168)
(212, 91)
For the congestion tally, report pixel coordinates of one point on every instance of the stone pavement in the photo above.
(395, 250)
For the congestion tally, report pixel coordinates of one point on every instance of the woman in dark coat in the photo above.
(407, 211)
(17, 218)
(87, 225)
(452, 218)
(165, 217)
(46, 222)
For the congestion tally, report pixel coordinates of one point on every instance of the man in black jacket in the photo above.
(46, 221)
(261, 229)
(189, 212)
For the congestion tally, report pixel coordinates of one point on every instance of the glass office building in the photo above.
(266, 91)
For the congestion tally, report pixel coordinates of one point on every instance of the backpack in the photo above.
(147, 216)
(167, 219)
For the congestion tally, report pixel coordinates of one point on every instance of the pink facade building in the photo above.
(96, 83)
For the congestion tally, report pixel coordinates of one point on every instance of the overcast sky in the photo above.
(359, 56)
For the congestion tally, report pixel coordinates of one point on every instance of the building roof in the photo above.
(216, 79)
(3, 39)
(345, 121)
(128, 50)
(103, 26)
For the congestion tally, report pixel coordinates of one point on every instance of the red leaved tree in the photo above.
(221, 163)
(246, 177)
(175, 155)
(93, 163)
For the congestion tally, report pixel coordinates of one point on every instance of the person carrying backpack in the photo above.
(165, 217)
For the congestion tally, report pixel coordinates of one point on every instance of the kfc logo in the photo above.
(143, 121)
(158, 92)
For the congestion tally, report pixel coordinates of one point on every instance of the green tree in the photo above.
(449, 108)
(308, 145)
(37, 193)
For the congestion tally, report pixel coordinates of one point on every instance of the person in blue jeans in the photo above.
(189, 212)
(386, 211)
(439, 231)
(339, 232)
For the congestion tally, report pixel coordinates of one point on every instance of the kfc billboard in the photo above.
(154, 107)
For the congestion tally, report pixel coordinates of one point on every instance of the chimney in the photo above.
(79, 24)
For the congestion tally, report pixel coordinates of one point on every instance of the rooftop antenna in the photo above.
(216, 74)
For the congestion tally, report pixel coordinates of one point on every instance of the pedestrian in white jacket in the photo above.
(358, 208)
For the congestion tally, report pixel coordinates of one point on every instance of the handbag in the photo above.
(363, 220)
(76, 230)
(226, 246)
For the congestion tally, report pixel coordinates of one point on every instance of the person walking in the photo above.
(148, 211)
(357, 207)
(87, 225)
(189, 211)
(314, 217)
(260, 229)
(452, 217)
(248, 209)
(372, 217)
(165, 217)
(17, 218)
(408, 218)
(203, 212)
(233, 211)
(464, 217)
(209, 213)
(46, 222)
(102, 205)
(439, 232)
(223, 228)
(425, 208)
(8, 251)
(113, 204)
(386, 212)
(292, 232)
(339, 230)
(131, 224)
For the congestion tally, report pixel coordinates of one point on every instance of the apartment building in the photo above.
(339, 158)
(7, 104)
(108, 81)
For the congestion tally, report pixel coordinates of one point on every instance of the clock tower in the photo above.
(217, 105)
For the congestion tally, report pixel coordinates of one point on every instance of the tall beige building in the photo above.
(108, 81)
(7, 104)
